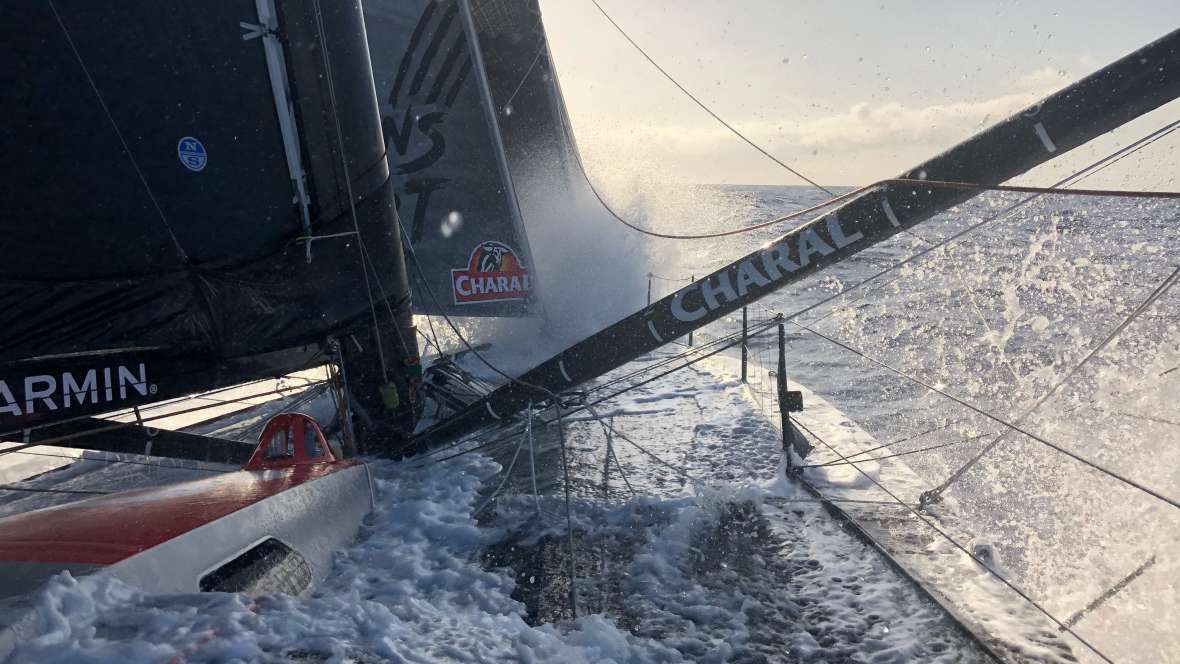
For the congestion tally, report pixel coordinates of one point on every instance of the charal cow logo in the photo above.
(494, 273)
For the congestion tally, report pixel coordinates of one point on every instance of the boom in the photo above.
(1118, 93)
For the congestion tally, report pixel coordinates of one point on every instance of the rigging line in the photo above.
(311, 391)
(507, 474)
(569, 519)
(122, 141)
(159, 405)
(119, 460)
(917, 513)
(899, 454)
(477, 448)
(751, 143)
(356, 226)
(1143, 418)
(757, 330)
(106, 429)
(1077, 176)
(705, 108)
(368, 260)
(9, 487)
(528, 431)
(675, 279)
(356, 179)
(659, 376)
(540, 49)
(205, 396)
(1012, 426)
(900, 440)
(826, 499)
(1114, 590)
(610, 449)
(430, 292)
(1021, 189)
(622, 473)
(679, 471)
(690, 350)
(1055, 189)
(433, 334)
(429, 341)
(1159, 291)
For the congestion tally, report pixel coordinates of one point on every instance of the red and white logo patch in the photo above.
(494, 273)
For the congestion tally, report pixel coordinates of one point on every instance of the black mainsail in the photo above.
(197, 195)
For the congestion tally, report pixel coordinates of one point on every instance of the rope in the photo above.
(934, 494)
(958, 546)
(706, 108)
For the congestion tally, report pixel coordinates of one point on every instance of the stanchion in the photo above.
(788, 402)
(745, 330)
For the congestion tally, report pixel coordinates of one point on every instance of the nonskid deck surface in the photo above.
(718, 556)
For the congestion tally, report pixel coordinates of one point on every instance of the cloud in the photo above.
(1045, 80)
(862, 126)
(838, 145)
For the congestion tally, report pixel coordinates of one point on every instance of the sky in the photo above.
(845, 92)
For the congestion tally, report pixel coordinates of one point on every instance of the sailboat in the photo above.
(212, 196)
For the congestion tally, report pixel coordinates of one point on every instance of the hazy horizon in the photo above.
(847, 93)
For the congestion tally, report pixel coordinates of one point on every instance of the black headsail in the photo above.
(454, 190)
(165, 165)
(1116, 94)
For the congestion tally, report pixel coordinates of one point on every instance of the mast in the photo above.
(1120, 92)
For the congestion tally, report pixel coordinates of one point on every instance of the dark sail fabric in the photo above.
(455, 194)
(524, 85)
(151, 232)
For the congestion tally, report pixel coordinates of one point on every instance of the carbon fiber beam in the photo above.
(1118, 93)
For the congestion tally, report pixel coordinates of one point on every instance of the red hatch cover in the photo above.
(290, 439)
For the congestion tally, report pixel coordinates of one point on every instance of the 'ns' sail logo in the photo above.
(192, 154)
